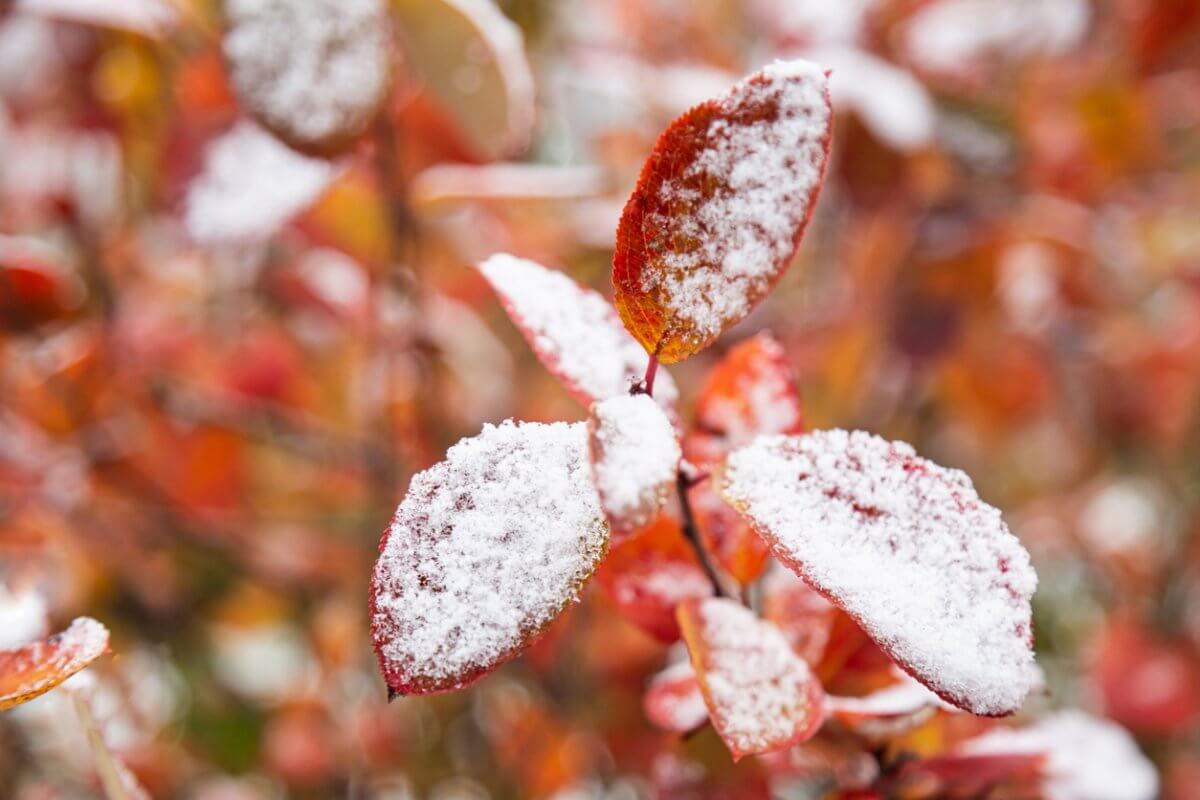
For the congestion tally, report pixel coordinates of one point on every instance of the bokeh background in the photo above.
(217, 375)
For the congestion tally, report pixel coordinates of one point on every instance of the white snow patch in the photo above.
(1088, 758)
(907, 548)
(251, 185)
(574, 330)
(758, 691)
(635, 456)
(314, 69)
(486, 548)
(22, 617)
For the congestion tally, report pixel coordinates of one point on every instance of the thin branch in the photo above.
(691, 532)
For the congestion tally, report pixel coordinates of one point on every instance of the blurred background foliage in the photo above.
(206, 421)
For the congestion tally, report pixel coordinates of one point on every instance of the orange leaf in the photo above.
(36, 668)
(720, 208)
(749, 392)
(649, 573)
(673, 700)
(760, 695)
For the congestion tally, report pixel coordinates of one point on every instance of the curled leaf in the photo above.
(907, 549)
(36, 668)
(485, 550)
(760, 695)
(573, 330)
(635, 456)
(720, 208)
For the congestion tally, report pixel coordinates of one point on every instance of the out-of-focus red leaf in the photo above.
(1149, 685)
(35, 287)
(36, 668)
(907, 549)
(720, 207)
(751, 391)
(485, 551)
(648, 574)
(760, 695)
(673, 700)
(805, 617)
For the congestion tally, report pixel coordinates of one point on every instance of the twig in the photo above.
(692, 533)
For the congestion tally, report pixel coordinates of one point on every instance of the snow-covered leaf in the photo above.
(648, 573)
(720, 208)
(751, 391)
(673, 700)
(760, 695)
(805, 617)
(38, 667)
(313, 72)
(573, 330)
(472, 59)
(251, 185)
(485, 550)
(1087, 757)
(906, 548)
(635, 458)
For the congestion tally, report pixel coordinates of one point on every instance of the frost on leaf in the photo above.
(635, 457)
(575, 333)
(720, 208)
(313, 72)
(485, 550)
(907, 549)
(38, 667)
(647, 574)
(673, 700)
(1086, 757)
(250, 186)
(472, 59)
(760, 695)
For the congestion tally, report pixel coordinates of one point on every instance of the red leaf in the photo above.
(573, 330)
(485, 550)
(648, 574)
(760, 695)
(750, 392)
(720, 208)
(673, 700)
(36, 668)
(907, 549)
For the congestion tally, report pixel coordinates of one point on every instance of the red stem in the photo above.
(651, 371)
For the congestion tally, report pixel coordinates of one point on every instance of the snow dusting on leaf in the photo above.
(751, 391)
(36, 668)
(485, 550)
(1087, 757)
(720, 208)
(251, 185)
(760, 695)
(573, 330)
(635, 456)
(673, 700)
(314, 72)
(905, 547)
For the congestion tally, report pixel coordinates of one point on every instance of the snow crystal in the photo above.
(765, 170)
(574, 330)
(760, 694)
(314, 70)
(907, 548)
(635, 455)
(485, 550)
(1088, 758)
(953, 34)
(22, 617)
(251, 185)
